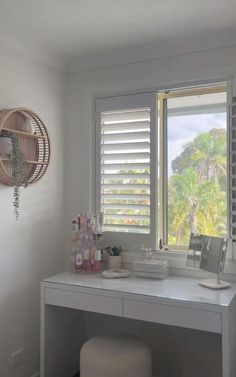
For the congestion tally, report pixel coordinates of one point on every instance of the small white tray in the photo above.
(114, 274)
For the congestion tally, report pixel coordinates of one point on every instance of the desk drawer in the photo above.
(84, 301)
(173, 315)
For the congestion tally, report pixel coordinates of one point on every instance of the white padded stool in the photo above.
(115, 356)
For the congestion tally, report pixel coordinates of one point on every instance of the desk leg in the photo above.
(62, 334)
(229, 340)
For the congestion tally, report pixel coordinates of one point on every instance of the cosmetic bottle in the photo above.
(86, 265)
(75, 244)
(99, 227)
(149, 254)
(78, 222)
(74, 225)
(92, 256)
(98, 261)
(74, 230)
(160, 244)
(78, 260)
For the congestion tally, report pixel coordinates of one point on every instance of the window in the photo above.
(147, 195)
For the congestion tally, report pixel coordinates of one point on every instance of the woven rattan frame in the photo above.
(35, 146)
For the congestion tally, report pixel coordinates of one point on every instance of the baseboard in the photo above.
(36, 374)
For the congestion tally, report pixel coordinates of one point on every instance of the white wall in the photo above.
(33, 248)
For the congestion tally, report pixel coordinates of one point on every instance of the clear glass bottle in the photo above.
(74, 246)
(78, 260)
(92, 256)
(98, 261)
(86, 264)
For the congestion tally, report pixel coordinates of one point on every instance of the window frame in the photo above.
(163, 153)
(171, 251)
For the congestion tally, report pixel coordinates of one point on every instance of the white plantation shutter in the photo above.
(125, 168)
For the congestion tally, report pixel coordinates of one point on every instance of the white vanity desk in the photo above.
(175, 301)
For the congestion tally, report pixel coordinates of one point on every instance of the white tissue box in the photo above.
(152, 268)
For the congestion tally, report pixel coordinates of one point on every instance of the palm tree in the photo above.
(207, 154)
(194, 205)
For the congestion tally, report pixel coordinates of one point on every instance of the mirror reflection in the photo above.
(194, 251)
(207, 253)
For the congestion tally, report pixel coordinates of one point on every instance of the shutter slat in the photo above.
(130, 126)
(129, 176)
(125, 196)
(118, 186)
(143, 146)
(129, 166)
(125, 217)
(139, 207)
(126, 156)
(125, 116)
(126, 136)
(127, 228)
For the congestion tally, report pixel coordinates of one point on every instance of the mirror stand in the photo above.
(214, 283)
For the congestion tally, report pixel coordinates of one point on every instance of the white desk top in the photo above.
(176, 288)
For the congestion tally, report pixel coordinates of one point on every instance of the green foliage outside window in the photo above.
(197, 189)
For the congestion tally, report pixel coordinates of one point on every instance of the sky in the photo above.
(183, 129)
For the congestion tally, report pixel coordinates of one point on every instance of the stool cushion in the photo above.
(115, 356)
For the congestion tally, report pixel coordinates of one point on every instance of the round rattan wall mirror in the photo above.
(34, 144)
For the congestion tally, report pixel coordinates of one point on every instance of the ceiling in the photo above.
(85, 31)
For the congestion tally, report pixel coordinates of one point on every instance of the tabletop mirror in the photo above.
(208, 253)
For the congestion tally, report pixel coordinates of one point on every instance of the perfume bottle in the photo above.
(86, 265)
(78, 260)
(92, 256)
(97, 228)
(98, 261)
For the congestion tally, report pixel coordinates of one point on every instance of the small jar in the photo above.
(114, 262)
